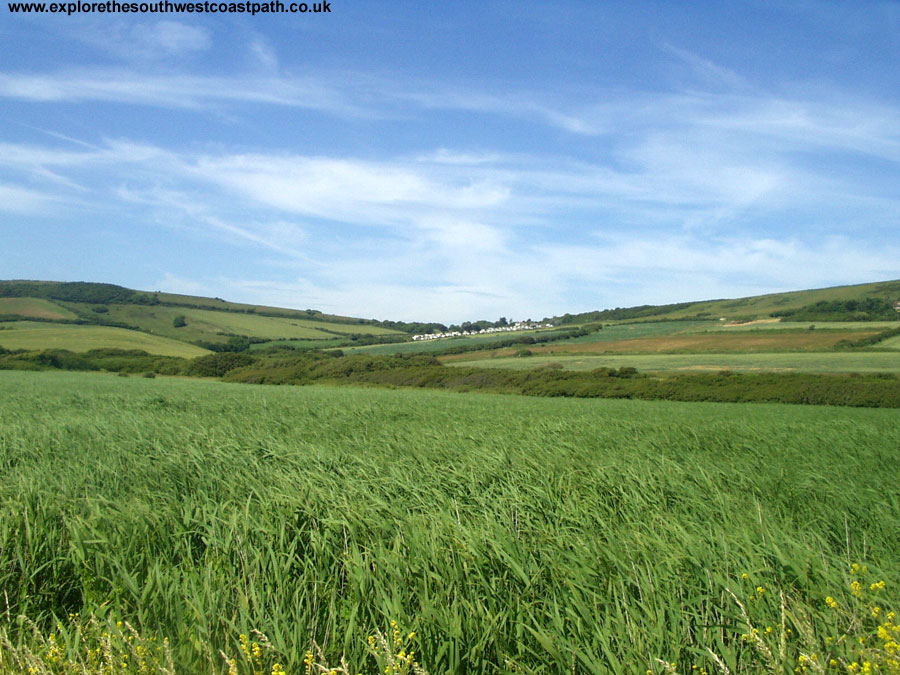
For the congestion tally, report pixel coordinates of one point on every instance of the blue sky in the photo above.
(455, 160)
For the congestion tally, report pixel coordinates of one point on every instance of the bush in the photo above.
(216, 365)
(149, 375)
(179, 321)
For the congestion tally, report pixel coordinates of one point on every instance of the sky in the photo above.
(450, 161)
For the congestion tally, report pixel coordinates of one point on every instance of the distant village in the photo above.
(512, 328)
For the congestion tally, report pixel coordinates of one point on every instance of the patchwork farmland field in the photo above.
(205, 324)
(35, 335)
(709, 343)
(509, 534)
(806, 362)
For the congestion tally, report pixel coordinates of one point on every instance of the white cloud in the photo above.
(19, 200)
(172, 38)
(452, 235)
(263, 54)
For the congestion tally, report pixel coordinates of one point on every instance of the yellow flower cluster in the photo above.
(84, 648)
(856, 635)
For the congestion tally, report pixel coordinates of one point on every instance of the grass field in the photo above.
(813, 362)
(210, 325)
(34, 335)
(510, 534)
(761, 306)
(701, 343)
(34, 308)
(756, 326)
(891, 343)
(630, 331)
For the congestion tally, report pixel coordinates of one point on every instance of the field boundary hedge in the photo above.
(873, 390)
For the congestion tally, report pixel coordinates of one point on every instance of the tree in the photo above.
(179, 321)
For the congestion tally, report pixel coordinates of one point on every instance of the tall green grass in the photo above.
(511, 534)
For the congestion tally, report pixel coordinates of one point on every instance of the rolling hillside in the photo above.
(38, 315)
(81, 316)
(821, 304)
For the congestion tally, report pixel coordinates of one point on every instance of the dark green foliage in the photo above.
(867, 309)
(100, 309)
(540, 338)
(46, 359)
(867, 341)
(75, 291)
(235, 343)
(620, 313)
(879, 390)
(122, 360)
(179, 321)
(217, 365)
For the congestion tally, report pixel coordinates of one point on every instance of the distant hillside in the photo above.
(101, 293)
(38, 315)
(861, 302)
(199, 324)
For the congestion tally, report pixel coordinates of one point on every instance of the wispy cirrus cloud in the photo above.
(449, 235)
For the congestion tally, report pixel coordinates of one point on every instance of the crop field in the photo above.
(34, 335)
(34, 308)
(630, 331)
(702, 343)
(205, 324)
(891, 343)
(503, 534)
(807, 362)
(755, 326)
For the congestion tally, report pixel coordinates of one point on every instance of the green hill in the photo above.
(81, 316)
(185, 324)
(860, 302)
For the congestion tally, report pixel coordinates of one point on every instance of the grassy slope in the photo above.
(44, 335)
(815, 362)
(34, 308)
(669, 336)
(761, 306)
(512, 534)
(711, 343)
(218, 303)
(210, 325)
(202, 324)
(891, 343)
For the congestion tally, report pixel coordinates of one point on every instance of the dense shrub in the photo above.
(217, 365)
(867, 341)
(872, 390)
(867, 309)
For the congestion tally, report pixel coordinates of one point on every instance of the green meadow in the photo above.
(502, 534)
(807, 362)
(34, 335)
(34, 308)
